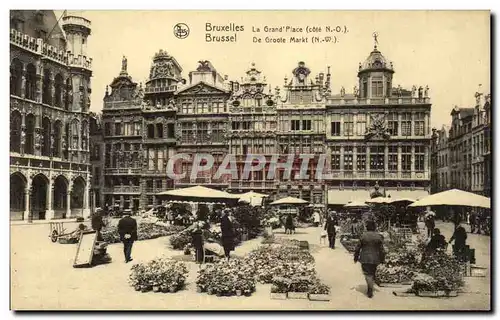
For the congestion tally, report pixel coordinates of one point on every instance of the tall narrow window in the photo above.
(118, 129)
(336, 125)
(295, 125)
(159, 130)
(406, 124)
(16, 77)
(306, 125)
(406, 158)
(58, 88)
(419, 158)
(377, 87)
(361, 158)
(364, 88)
(361, 124)
(420, 124)
(393, 158)
(349, 124)
(30, 87)
(336, 158)
(393, 123)
(47, 87)
(348, 158)
(377, 155)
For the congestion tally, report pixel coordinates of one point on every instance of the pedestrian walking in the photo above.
(330, 227)
(460, 238)
(289, 226)
(370, 253)
(430, 224)
(227, 233)
(127, 229)
(197, 241)
(317, 218)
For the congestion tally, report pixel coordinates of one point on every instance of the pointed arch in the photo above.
(15, 131)
(16, 77)
(30, 86)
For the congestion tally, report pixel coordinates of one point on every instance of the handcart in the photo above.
(56, 230)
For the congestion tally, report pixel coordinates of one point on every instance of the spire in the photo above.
(375, 40)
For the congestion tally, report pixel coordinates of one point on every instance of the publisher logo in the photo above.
(181, 30)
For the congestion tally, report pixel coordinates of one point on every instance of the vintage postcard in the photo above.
(250, 160)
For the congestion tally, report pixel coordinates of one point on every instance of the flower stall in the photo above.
(226, 278)
(145, 231)
(159, 275)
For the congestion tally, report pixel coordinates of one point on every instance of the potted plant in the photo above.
(279, 288)
(319, 292)
(299, 288)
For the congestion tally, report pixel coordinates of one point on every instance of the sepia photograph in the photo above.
(312, 160)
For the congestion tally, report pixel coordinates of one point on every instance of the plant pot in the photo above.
(298, 295)
(164, 289)
(248, 293)
(137, 288)
(210, 291)
(145, 288)
(156, 289)
(239, 293)
(172, 289)
(319, 297)
(278, 295)
(199, 289)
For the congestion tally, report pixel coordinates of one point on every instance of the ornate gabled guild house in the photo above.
(252, 131)
(378, 135)
(301, 131)
(201, 126)
(122, 137)
(49, 115)
(159, 135)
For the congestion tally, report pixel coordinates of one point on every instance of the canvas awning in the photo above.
(356, 204)
(407, 194)
(343, 197)
(197, 194)
(454, 197)
(289, 200)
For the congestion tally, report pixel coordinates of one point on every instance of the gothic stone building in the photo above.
(49, 107)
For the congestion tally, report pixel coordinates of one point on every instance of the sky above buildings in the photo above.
(447, 50)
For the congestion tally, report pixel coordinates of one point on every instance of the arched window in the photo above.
(151, 131)
(29, 145)
(74, 134)
(30, 92)
(47, 87)
(67, 99)
(46, 131)
(16, 77)
(159, 130)
(57, 138)
(58, 90)
(15, 131)
(83, 135)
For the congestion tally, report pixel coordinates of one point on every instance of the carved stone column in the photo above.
(23, 82)
(49, 214)
(27, 196)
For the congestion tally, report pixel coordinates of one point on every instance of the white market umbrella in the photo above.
(356, 204)
(454, 197)
(289, 200)
(247, 197)
(379, 200)
(407, 200)
(198, 194)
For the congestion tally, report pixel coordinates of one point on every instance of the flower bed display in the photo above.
(179, 241)
(400, 265)
(145, 231)
(349, 242)
(445, 271)
(280, 287)
(278, 260)
(319, 292)
(226, 278)
(299, 287)
(159, 275)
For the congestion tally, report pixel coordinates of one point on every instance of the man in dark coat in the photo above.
(330, 224)
(127, 229)
(430, 224)
(460, 237)
(370, 253)
(437, 242)
(227, 233)
(98, 223)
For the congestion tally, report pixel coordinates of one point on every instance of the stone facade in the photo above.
(377, 135)
(49, 115)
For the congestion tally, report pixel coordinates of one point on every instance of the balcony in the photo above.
(235, 184)
(200, 180)
(379, 175)
(123, 171)
(163, 89)
(79, 61)
(337, 101)
(122, 189)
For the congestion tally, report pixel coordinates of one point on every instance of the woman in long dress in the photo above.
(227, 233)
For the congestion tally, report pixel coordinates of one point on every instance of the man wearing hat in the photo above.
(331, 222)
(127, 229)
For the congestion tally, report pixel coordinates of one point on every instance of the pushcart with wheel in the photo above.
(56, 230)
